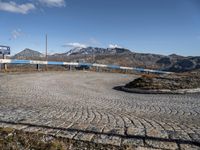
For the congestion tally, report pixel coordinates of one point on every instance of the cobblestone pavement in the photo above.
(84, 106)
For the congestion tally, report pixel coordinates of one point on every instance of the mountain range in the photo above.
(119, 56)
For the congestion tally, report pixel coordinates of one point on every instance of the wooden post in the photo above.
(38, 67)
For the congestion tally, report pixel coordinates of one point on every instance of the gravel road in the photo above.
(87, 106)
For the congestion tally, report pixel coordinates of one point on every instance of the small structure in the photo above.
(4, 50)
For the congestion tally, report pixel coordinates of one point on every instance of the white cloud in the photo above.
(16, 33)
(114, 46)
(16, 8)
(53, 3)
(24, 8)
(75, 45)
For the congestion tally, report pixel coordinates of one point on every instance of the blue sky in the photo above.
(148, 26)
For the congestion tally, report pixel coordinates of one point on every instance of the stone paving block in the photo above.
(105, 139)
(162, 144)
(95, 128)
(19, 127)
(195, 136)
(177, 135)
(66, 134)
(41, 122)
(167, 127)
(189, 147)
(53, 132)
(32, 129)
(136, 131)
(78, 126)
(84, 136)
(113, 131)
(28, 121)
(55, 123)
(66, 125)
(133, 142)
(152, 132)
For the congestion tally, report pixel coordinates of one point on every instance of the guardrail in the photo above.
(37, 62)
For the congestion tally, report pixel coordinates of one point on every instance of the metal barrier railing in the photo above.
(37, 62)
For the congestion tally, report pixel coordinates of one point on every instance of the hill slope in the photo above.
(28, 53)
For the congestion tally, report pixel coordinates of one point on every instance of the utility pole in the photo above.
(46, 51)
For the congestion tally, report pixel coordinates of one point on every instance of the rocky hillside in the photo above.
(119, 56)
(179, 63)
